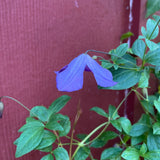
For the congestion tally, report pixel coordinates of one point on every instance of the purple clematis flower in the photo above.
(70, 77)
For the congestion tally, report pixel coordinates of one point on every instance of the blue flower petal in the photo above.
(103, 76)
(70, 77)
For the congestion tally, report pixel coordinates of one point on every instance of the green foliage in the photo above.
(152, 57)
(144, 79)
(37, 132)
(100, 111)
(61, 154)
(47, 140)
(58, 104)
(126, 35)
(152, 155)
(125, 124)
(153, 142)
(142, 126)
(125, 78)
(111, 153)
(138, 48)
(156, 128)
(151, 31)
(112, 112)
(131, 154)
(82, 154)
(40, 112)
(29, 140)
(103, 139)
(47, 157)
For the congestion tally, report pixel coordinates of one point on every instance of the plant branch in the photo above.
(87, 137)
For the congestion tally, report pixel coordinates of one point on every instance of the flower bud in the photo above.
(94, 57)
(1, 109)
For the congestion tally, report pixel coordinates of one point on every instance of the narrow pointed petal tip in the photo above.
(70, 78)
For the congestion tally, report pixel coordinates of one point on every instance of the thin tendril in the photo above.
(110, 55)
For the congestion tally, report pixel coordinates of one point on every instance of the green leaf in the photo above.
(47, 149)
(111, 153)
(126, 61)
(152, 155)
(141, 127)
(100, 111)
(59, 122)
(156, 18)
(151, 45)
(47, 157)
(54, 125)
(16, 141)
(125, 79)
(145, 119)
(130, 154)
(115, 66)
(126, 35)
(47, 140)
(156, 128)
(151, 31)
(31, 125)
(30, 119)
(153, 142)
(152, 7)
(148, 105)
(138, 129)
(103, 139)
(143, 149)
(153, 57)
(66, 124)
(29, 140)
(40, 112)
(106, 64)
(119, 51)
(116, 124)
(58, 104)
(144, 79)
(137, 140)
(141, 37)
(126, 124)
(157, 72)
(138, 48)
(122, 49)
(157, 104)
(61, 154)
(82, 153)
(112, 112)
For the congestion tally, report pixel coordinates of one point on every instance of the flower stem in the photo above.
(16, 102)
(107, 124)
(110, 55)
(22, 105)
(87, 137)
